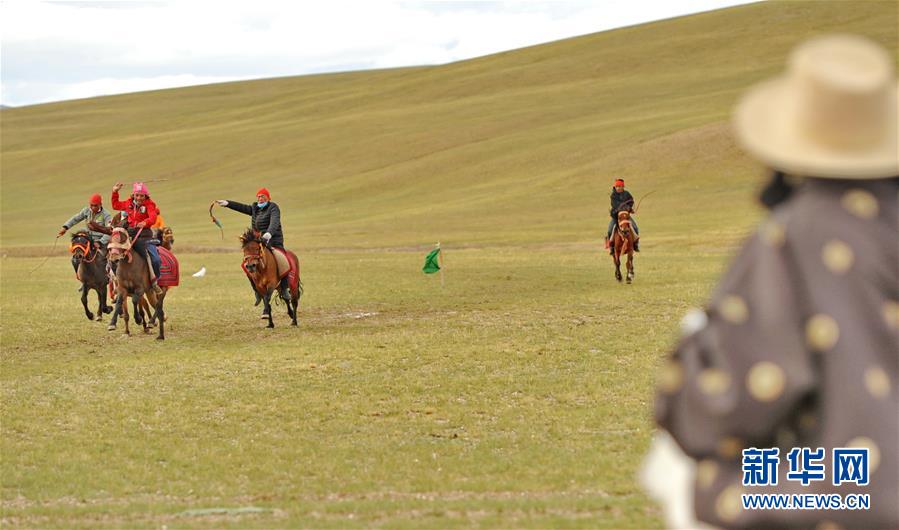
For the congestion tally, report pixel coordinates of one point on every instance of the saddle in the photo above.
(288, 267)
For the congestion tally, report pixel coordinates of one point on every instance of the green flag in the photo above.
(431, 262)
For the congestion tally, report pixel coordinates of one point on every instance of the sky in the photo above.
(59, 50)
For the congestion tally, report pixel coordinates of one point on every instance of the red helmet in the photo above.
(96, 200)
(263, 191)
(619, 182)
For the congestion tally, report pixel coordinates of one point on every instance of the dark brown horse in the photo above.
(91, 271)
(133, 281)
(623, 241)
(262, 269)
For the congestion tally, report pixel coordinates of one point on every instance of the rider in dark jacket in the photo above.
(266, 219)
(621, 200)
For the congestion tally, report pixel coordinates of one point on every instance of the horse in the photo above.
(261, 267)
(91, 272)
(133, 280)
(165, 236)
(144, 312)
(623, 240)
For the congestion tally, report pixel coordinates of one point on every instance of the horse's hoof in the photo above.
(160, 338)
(90, 316)
(270, 326)
(107, 310)
(99, 318)
(110, 327)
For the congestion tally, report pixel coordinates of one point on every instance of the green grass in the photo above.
(518, 395)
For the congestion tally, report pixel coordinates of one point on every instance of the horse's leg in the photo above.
(87, 312)
(630, 258)
(617, 258)
(115, 313)
(630, 265)
(160, 314)
(139, 316)
(295, 303)
(268, 308)
(284, 293)
(145, 307)
(101, 301)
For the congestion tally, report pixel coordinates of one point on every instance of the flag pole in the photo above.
(440, 262)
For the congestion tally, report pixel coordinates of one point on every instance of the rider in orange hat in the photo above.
(95, 212)
(622, 200)
(266, 219)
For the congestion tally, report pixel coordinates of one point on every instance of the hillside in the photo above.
(514, 148)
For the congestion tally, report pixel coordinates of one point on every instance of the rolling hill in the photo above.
(514, 148)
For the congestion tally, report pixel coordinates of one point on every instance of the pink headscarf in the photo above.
(140, 187)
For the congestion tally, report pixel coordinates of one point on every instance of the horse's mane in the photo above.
(80, 234)
(250, 236)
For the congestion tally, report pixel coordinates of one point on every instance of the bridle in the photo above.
(84, 247)
(123, 246)
(624, 225)
(260, 256)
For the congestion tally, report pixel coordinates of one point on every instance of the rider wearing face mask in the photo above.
(142, 212)
(266, 219)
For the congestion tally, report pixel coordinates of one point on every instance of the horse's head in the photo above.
(81, 244)
(624, 221)
(167, 237)
(119, 242)
(252, 247)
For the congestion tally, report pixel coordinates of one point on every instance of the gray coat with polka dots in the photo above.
(798, 347)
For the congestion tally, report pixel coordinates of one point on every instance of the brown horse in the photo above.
(133, 281)
(165, 236)
(91, 271)
(140, 316)
(623, 243)
(262, 269)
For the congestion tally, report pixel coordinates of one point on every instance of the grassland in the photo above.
(518, 395)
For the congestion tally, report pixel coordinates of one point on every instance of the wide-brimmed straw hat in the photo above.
(832, 115)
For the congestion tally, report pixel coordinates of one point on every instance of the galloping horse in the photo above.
(91, 272)
(623, 242)
(261, 267)
(133, 280)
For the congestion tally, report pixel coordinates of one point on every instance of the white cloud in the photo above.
(61, 50)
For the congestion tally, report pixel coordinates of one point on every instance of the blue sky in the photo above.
(58, 50)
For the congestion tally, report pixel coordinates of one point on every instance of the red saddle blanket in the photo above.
(293, 274)
(168, 268)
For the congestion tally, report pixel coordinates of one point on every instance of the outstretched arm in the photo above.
(240, 207)
(75, 219)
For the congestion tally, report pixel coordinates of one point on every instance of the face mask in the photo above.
(262, 204)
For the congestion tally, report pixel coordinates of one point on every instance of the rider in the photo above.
(142, 212)
(621, 200)
(95, 212)
(266, 219)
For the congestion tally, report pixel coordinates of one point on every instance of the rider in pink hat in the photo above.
(142, 213)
